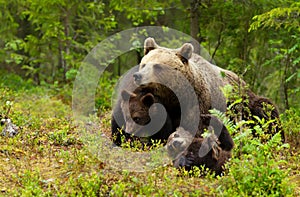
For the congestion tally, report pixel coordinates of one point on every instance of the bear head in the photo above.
(144, 116)
(157, 59)
(180, 140)
(211, 151)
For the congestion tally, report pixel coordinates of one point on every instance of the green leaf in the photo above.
(223, 74)
(290, 77)
(296, 61)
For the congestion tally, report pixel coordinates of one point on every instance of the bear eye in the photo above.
(136, 119)
(143, 65)
(157, 66)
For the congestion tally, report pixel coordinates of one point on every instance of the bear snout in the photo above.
(137, 77)
(178, 144)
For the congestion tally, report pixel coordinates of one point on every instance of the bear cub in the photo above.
(212, 151)
(144, 116)
(127, 90)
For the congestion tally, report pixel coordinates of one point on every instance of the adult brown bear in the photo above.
(160, 64)
(165, 66)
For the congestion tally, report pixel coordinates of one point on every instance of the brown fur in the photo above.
(162, 70)
(117, 118)
(136, 110)
(118, 122)
(163, 65)
(265, 109)
(253, 106)
(186, 151)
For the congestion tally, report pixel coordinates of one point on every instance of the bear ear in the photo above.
(149, 45)
(126, 95)
(148, 99)
(185, 52)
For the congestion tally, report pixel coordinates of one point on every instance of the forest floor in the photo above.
(49, 158)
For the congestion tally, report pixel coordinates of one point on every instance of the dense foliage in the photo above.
(45, 41)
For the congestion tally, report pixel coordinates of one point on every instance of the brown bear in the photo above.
(161, 65)
(206, 78)
(164, 66)
(117, 119)
(263, 108)
(182, 146)
(212, 151)
(144, 117)
(118, 123)
(250, 107)
(162, 74)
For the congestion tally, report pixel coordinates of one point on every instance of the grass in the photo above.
(49, 158)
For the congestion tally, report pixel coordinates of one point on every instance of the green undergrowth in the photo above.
(49, 158)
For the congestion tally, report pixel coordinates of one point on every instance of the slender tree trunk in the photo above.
(219, 42)
(67, 46)
(194, 19)
(285, 83)
(194, 26)
(61, 62)
(36, 75)
(246, 44)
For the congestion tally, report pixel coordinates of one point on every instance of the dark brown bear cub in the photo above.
(145, 117)
(211, 152)
(118, 122)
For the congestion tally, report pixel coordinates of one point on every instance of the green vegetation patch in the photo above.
(49, 158)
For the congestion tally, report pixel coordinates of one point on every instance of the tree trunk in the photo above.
(67, 45)
(36, 75)
(285, 83)
(194, 26)
(61, 62)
